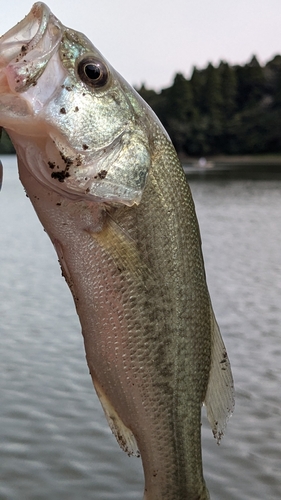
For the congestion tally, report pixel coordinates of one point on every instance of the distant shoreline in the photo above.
(240, 167)
(260, 167)
(274, 159)
(234, 159)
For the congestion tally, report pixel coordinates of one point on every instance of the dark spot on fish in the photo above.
(84, 93)
(68, 161)
(76, 109)
(223, 361)
(116, 97)
(60, 176)
(154, 474)
(63, 111)
(67, 87)
(78, 160)
(24, 48)
(101, 175)
(85, 147)
(58, 204)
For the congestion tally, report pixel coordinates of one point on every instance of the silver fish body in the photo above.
(107, 185)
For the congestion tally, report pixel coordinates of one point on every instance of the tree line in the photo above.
(6, 147)
(218, 110)
(222, 110)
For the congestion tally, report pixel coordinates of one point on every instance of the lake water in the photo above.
(54, 440)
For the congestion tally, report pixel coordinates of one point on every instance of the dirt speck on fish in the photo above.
(107, 185)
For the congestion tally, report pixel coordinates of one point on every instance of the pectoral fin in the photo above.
(123, 434)
(122, 248)
(219, 399)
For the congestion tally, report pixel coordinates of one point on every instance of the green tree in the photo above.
(179, 111)
(212, 94)
(157, 101)
(228, 90)
(180, 98)
(272, 72)
(251, 84)
(6, 146)
(224, 109)
(197, 82)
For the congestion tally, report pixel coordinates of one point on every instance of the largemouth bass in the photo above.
(108, 188)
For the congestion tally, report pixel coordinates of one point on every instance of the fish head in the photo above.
(78, 127)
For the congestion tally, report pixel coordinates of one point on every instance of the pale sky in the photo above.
(150, 40)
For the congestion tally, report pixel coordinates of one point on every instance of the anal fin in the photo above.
(123, 434)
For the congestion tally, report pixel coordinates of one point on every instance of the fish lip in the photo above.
(26, 49)
(15, 44)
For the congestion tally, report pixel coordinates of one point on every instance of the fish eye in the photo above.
(93, 72)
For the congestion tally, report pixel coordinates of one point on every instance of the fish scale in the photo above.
(107, 186)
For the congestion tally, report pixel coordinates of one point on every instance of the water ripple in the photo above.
(55, 443)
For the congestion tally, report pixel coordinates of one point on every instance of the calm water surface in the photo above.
(54, 440)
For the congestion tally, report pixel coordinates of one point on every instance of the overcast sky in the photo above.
(150, 40)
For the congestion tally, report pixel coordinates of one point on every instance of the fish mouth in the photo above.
(26, 49)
